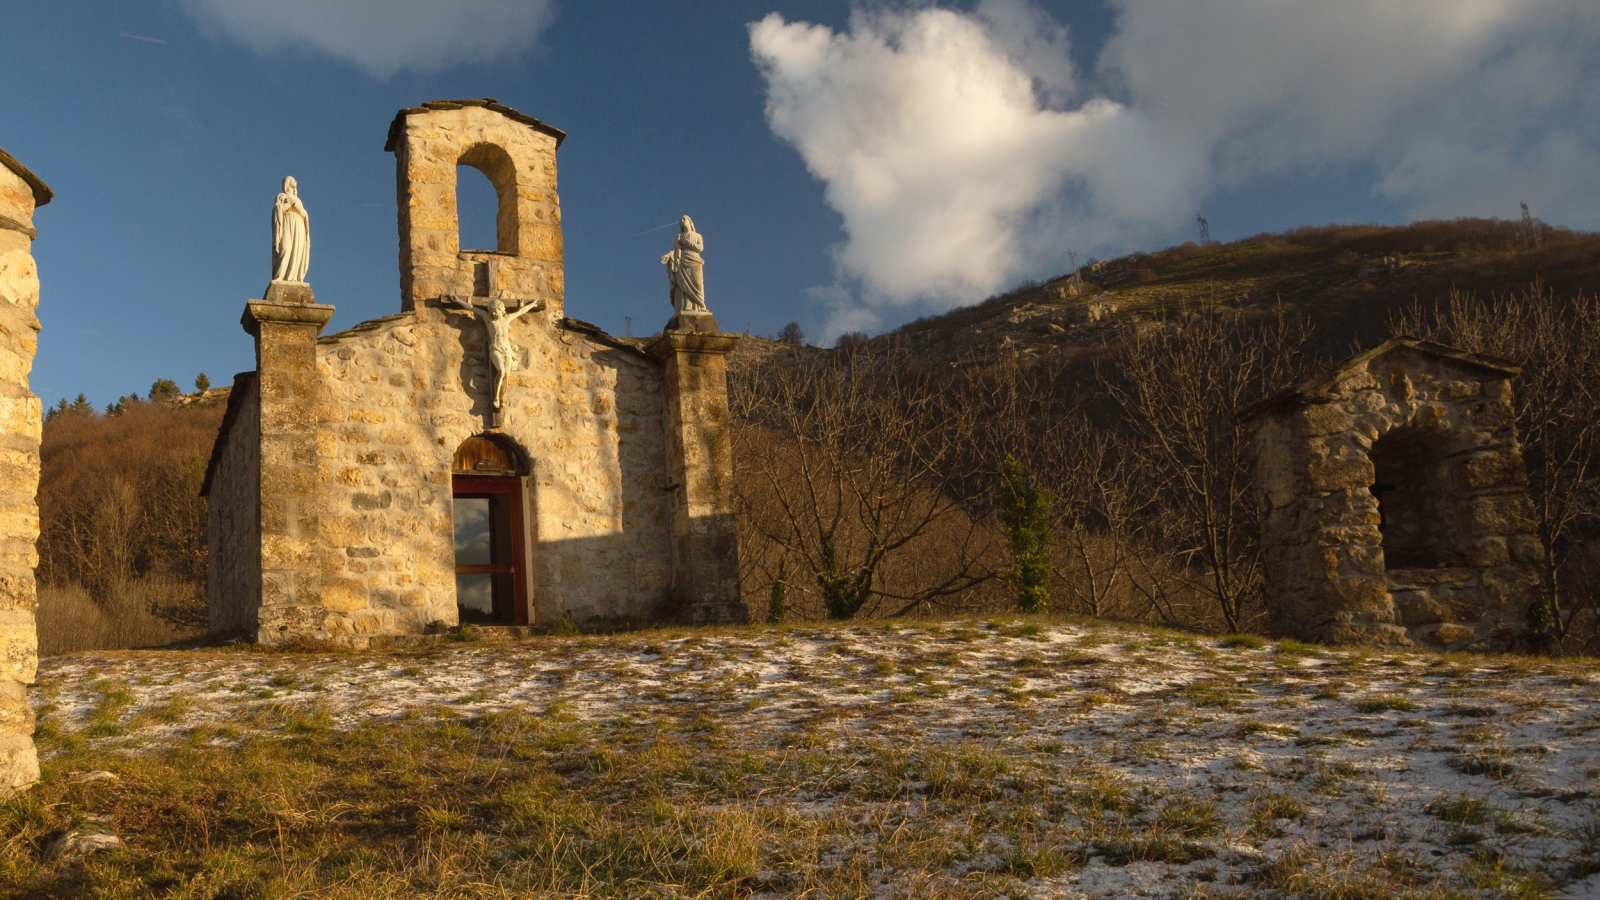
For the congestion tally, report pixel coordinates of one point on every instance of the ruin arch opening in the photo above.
(473, 204)
(1416, 501)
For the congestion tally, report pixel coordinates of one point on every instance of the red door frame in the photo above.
(510, 487)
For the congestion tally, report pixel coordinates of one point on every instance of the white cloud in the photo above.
(381, 37)
(965, 150)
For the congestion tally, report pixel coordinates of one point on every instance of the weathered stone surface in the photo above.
(699, 448)
(20, 423)
(1394, 491)
(234, 520)
(519, 160)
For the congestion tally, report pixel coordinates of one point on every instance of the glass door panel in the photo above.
(491, 576)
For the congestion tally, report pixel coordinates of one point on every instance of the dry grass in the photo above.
(71, 621)
(970, 759)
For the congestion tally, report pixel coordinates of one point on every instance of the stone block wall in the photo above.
(288, 388)
(233, 522)
(20, 424)
(1449, 560)
(402, 393)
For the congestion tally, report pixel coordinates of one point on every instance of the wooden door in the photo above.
(491, 555)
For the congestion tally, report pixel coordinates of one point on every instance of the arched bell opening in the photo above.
(496, 165)
(491, 555)
(1415, 499)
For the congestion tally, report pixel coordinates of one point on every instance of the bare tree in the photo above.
(1180, 390)
(849, 463)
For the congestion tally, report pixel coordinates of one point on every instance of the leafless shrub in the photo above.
(70, 620)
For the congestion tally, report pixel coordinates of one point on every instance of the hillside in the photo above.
(122, 523)
(964, 759)
(1347, 280)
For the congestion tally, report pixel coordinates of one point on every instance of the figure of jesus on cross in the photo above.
(497, 325)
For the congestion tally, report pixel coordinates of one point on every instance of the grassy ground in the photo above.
(1005, 758)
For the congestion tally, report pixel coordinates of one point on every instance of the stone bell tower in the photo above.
(518, 154)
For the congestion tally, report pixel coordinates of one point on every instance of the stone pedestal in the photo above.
(285, 326)
(705, 576)
(20, 193)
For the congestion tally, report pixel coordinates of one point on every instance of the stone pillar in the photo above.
(20, 193)
(705, 571)
(285, 326)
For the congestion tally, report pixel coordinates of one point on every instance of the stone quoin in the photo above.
(367, 484)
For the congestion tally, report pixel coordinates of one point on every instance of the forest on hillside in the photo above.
(1071, 446)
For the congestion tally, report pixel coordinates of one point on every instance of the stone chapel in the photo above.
(381, 481)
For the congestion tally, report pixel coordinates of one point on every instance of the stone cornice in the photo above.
(599, 335)
(257, 312)
(691, 342)
(41, 191)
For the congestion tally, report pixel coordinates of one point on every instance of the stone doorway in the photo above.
(1415, 499)
(491, 558)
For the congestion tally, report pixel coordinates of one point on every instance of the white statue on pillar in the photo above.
(685, 269)
(497, 325)
(291, 235)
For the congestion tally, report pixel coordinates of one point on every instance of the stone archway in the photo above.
(1396, 502)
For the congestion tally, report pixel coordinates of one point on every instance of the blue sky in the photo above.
(849, 165)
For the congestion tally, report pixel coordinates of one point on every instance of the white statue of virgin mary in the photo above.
(685, 269)
(291, 235)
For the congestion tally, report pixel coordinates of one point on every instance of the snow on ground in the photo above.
(1450, 761)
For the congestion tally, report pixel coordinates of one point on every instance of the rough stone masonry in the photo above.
(21, 192)
(1397, 508)
(342, 479)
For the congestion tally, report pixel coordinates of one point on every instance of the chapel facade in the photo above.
(417, 472)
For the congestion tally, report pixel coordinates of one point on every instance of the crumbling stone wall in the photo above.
(20, 423)
(1396, 503)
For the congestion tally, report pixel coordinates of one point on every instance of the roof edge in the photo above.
(41, 191)
(1306, 390)
(488, 103)
(601, 336)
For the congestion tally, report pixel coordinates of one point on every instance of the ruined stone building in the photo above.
(1396, 501)
(21, 192)
(379, 481)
